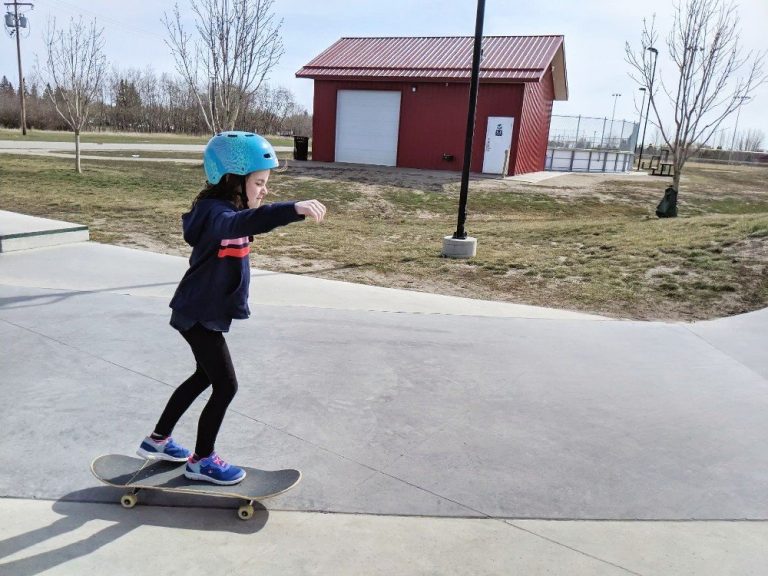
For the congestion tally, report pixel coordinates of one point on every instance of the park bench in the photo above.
(663, 169)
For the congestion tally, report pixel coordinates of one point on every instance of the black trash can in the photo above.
(300, 147)
(667, 208)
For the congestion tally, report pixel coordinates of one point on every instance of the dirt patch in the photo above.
(751, 249)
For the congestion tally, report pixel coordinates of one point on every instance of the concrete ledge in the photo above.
(22, 232)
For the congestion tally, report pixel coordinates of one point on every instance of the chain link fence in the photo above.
(588, 133)
(586, 144)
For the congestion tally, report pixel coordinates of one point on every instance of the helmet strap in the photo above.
(243, 194)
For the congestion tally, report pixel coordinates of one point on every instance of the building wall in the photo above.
(496, 100)
(433, 121)
(537, 115)
(324, 121)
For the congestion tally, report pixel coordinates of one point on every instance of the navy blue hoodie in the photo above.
(215, 287)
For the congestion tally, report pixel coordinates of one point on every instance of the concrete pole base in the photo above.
(459, 248)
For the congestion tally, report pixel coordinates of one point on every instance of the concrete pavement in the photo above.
(67, 150)
(25, 146)
(20, 146)
(63, 538)
(436, 435)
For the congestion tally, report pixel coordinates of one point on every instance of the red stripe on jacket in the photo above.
(234, 252)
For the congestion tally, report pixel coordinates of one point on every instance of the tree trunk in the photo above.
(678, 169)
(77, 152)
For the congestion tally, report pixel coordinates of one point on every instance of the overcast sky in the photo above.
(595, 33)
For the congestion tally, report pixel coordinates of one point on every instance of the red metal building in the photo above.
(403, 101)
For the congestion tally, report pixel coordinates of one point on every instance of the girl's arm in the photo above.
(228, 223)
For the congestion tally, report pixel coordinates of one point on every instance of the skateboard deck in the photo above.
(138, 474)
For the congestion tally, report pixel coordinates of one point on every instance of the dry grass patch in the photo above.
(589, 243)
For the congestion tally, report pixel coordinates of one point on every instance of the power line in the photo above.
(112, 23)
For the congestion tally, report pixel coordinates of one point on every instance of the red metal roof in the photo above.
(505, 58)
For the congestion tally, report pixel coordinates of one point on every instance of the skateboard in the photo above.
(138, 474)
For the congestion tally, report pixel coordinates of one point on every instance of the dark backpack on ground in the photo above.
(667, 208)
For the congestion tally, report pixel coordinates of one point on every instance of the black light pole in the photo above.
(473, 87)
(650, 97)
(615, 96)
(640, 120)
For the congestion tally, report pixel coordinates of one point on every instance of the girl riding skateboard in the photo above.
(223, 219)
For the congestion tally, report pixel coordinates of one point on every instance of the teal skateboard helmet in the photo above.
(239, 153)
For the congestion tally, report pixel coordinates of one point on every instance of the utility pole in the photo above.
(16, 25)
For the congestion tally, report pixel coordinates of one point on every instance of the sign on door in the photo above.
(498, 143)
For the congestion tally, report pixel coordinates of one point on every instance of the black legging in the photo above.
(214, 367)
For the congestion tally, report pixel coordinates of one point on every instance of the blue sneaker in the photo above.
(214, 469)
(163, 450)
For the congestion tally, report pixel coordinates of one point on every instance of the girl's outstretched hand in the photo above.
(311, 208)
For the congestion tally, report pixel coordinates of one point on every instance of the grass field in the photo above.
(581, 242)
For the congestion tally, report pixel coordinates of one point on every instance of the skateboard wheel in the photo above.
(245, 512)
(128, 500)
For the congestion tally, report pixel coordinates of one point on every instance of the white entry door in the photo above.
(367, 126)
(498, 143)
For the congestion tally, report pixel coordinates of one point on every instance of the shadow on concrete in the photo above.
(62, 294)
(83, 506)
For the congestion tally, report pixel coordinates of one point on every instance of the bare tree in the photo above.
(149, 91)
(74, 69)
(300, 123)
(751, 140)
(126, 103)
(713, 75)
(237, 43)
(271, 108)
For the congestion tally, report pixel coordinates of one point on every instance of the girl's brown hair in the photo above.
(229, 188)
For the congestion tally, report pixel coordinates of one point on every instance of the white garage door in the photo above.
(367, 124)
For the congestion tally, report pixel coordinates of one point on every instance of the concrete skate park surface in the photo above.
(435, 435)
